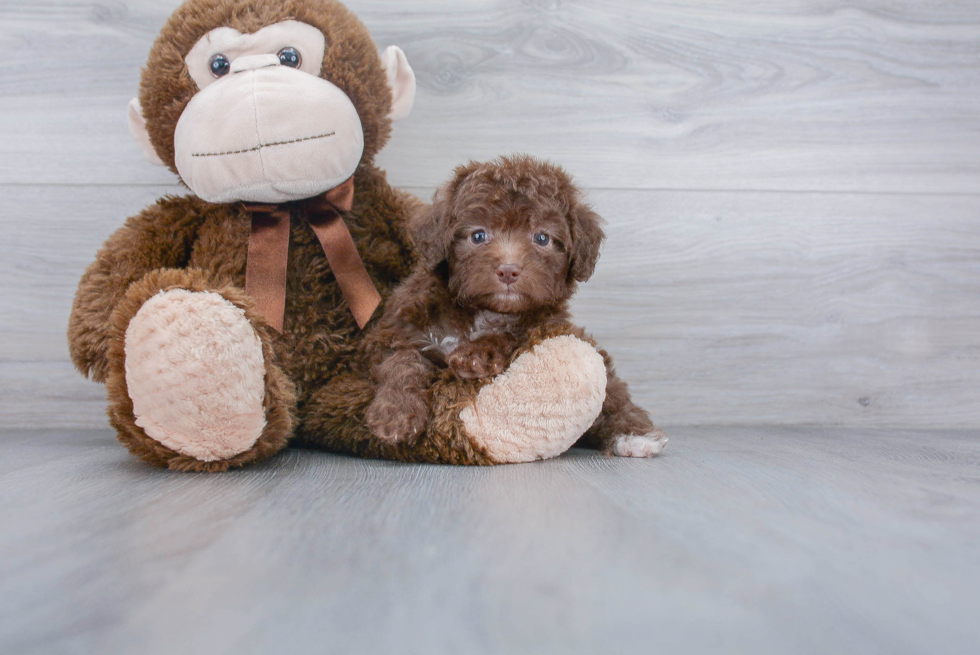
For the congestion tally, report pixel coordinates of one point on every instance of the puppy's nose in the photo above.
(508, 273)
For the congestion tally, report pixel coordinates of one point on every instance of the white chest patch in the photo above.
(487, 322)
(445, 345)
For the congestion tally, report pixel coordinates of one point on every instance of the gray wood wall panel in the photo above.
(792, 188)
(51, 234)
(856, 96)
(792, 308)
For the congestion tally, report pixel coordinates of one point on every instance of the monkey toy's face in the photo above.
(263, 107)
(265, 122)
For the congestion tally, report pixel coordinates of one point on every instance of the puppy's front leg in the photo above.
(485, 357)
(400, 408)
(623, 428)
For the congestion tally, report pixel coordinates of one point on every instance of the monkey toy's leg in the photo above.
(623, 428)
(192, 383)
(539, 407)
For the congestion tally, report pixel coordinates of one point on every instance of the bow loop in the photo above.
(339, 198)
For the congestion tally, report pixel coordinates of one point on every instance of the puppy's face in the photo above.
(509, 253)
(513, 235)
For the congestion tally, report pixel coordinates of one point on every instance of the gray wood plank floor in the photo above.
(749, 540)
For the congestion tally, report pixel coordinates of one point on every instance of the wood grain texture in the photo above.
(719, 308)
(792, 308)
(735, 540)
(50, 395)
(51, 234)
(803, 95)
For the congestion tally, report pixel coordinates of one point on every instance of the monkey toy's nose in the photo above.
(253, 62)
(508, 273)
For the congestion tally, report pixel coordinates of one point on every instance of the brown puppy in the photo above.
(502, 250)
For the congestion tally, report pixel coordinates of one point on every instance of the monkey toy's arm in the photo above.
(158, 237)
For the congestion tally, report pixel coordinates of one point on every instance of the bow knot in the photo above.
(268, 252)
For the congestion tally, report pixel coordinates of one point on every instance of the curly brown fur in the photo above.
(407, 376)
(340, 410)
(504, 247)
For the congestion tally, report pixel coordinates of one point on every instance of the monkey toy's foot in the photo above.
(195, 373)
(197, 393)
(539, 407)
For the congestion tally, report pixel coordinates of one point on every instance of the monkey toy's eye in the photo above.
(479, 237)
(542, 239)
(219, 65)
(290, 57)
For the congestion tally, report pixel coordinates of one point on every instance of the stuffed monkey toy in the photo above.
(225, 323)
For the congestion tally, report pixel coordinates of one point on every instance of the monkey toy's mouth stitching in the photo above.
(260, 146)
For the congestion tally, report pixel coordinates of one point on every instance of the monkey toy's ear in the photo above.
(401, 81)
(137, 127)
(587, 237)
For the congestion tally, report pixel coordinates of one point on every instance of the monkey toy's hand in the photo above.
(397, 414)
(484, 358)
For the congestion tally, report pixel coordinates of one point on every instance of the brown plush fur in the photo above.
(503, 249)
(184, 242)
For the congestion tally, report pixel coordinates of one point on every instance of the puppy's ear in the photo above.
(587, 237)
(432, 232)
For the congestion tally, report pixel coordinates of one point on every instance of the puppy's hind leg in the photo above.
(623, 428)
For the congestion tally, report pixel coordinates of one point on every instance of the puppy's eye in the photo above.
(542, 239)
(478, 237)
(219, 65)
(290, 57)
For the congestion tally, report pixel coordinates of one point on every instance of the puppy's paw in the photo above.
(396, 420)
(647, 445)
(477, 360)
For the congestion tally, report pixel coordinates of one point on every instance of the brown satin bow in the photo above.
(268, 250)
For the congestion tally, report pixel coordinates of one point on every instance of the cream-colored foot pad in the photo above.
(541, 404)
(196, 374)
